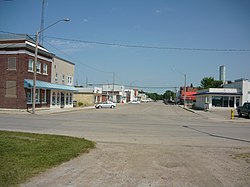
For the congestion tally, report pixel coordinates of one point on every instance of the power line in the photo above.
(75, 60)
(90, 67)
(150, 47)
(142, 87)
(146, 46)
(153, 87)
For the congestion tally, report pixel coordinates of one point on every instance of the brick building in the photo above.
(16, 66)
(17, 71)
(190, 95)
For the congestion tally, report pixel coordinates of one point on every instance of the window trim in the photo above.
(38, 67)
(63, 79)
(69, 80)
(56, 78)
(45, 70)
(31, 62)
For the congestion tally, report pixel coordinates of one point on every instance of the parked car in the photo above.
(244, 110)
(145, 100)
(107, 104)
(134, 102)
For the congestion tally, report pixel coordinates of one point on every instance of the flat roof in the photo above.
(64, 60)
(218, 93)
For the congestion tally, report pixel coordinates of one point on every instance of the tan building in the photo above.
(62, 74)
(62, 71)
(87, 96)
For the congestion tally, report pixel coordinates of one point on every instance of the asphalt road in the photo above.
(153, 123)
(149, 144)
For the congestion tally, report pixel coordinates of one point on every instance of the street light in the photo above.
(35, 63)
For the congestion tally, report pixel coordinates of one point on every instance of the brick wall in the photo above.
(18, 75)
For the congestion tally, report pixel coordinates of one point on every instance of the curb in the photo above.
(43, 111)
(214, 118)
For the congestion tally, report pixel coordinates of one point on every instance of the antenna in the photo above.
(42, 23)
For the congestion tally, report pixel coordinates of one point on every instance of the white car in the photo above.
(134, 102)
(107, 104)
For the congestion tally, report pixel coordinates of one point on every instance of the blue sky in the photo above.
(199, 24)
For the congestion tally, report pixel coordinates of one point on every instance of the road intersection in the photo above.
(149, 144)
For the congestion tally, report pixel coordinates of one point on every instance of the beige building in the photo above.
(63, 76)
(87, 96)
(62, 71)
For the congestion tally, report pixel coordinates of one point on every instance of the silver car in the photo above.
(107, 104)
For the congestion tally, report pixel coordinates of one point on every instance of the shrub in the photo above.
(80, 104)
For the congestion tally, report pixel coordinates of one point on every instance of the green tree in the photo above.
(155, 96)
(169, 95)
(210, 82)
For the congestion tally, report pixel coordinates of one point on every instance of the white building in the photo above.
(232, 95)
(217, 97)
(243, 87)
(115, 93)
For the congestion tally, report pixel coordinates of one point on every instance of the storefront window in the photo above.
(29, 96)
(231, 101)
(217, 101)
(70, 98)
(37, 96)
(43, 96)
(58, 99)
(237, 101)
(67, 99)
(54, 98)
(225, 101)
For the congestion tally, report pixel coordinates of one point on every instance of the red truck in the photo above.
(244, 110)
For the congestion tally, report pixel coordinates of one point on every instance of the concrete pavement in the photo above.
(218, 114)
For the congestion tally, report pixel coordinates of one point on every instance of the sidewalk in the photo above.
(43, 111)
(219, 114)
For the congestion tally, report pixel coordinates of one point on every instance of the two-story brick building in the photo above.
(17, 73)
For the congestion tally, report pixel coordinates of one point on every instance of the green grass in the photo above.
(23, 155)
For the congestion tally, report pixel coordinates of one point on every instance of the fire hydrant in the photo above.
(232, 114)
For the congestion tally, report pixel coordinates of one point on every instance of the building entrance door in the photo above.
(62, 100)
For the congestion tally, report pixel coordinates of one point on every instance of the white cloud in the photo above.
(163, 10)
(85, 20)
(158, 11)
(70, 46)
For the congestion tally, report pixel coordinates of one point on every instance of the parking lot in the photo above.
(149, 144)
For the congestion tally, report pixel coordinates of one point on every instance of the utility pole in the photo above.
(175, 99)
(34, 75)
(35, 63)
(42, 24)
(87, 82)
(113, 86)
(185, 84)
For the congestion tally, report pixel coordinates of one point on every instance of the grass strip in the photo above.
(23, 155)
